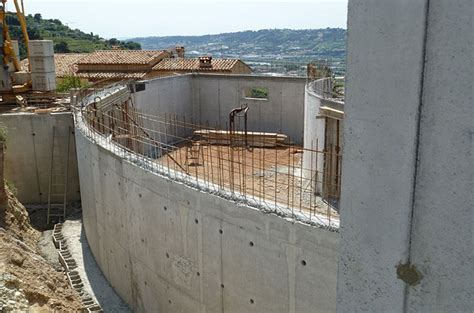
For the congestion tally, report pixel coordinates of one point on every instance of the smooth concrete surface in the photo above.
(442, 241)
(207, 99)
(28, 154)
(407, 161)
(314, 129)
(321, 133)
(166, 247)
(283, 111)
(95, 284)
(171, 94)
(166, 98)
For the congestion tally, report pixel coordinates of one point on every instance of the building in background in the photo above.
(116, 65)
(174, 66)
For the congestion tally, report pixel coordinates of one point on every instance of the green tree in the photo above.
(69, 82)
(61, 47)
(114, 41)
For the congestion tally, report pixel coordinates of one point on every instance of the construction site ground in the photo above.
(31, 276)
(272, 173)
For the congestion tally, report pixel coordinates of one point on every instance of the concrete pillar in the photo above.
(442, 239)
(407, 160)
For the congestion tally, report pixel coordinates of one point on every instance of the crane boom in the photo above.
(10, 62)
(21, 18)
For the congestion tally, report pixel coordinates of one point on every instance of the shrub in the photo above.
(69, 82)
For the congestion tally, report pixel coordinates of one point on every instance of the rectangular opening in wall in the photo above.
(139, 87)
(256, 93)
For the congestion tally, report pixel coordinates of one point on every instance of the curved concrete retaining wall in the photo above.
(166, 247)
(313, 134)
(321, 133)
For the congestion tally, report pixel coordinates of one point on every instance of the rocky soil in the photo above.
(28, 282)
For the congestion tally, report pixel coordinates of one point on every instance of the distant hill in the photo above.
(286, 44)
(65, 38)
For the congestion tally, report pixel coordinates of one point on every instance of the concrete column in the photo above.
(407, 165)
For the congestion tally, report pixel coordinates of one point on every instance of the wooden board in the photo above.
(237, 138)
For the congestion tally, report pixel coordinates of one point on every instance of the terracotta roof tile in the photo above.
(124, 57)
(65, 63)
(111, 75)
(178, 64)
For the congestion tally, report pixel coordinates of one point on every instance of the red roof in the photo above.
(136, 57)
(180, 64)
(65, 63)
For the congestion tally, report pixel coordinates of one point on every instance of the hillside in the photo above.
(65, 38)
(286, 44)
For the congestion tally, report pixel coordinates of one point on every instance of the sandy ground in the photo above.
(94, 281)
(274, 174)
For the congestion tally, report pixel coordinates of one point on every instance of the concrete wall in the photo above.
(407, 182)
(322, 133)
(28, 153)
(166, 247)
(166, 95)
(216, 95)
(314, 126)
(207, 98)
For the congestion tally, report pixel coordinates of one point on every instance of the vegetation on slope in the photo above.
(328, 43)
(65, 39)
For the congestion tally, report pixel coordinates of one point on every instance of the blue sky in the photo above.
(136, 18)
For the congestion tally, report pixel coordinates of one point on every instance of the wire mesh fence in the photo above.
(261, 169)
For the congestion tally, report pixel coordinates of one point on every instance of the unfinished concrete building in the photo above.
(161, 157)
(220, 193)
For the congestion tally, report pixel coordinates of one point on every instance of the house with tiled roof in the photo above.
(115, 65)
(206, 64)
(65, 63)
(119, 64)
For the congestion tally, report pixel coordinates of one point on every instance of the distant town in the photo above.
(275, 52)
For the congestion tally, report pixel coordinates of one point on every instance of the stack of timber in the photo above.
(237, 138)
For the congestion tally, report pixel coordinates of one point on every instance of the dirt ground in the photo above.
(274, 174)
(28, 282)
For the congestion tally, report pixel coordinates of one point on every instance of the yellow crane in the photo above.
(7, 53)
